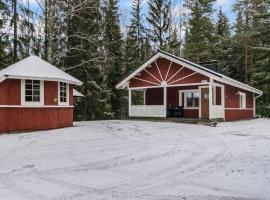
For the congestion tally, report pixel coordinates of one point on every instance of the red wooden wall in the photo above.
(160, 73)
(232, 104)
(10, 92)
(17, 118)
(21, 119)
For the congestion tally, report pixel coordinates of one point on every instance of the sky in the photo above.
(125, 6)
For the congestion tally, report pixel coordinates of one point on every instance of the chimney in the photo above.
(212, 65)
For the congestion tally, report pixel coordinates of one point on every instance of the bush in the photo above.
(263, 111)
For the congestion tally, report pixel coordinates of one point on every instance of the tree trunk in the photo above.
(48, 30)
(15, 30)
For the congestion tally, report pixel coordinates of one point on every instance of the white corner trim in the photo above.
(25, 103)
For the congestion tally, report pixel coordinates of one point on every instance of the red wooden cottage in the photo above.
(168, 82)
(35, 95)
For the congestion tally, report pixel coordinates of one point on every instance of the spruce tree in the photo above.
(199, 37)
(3, 35)
(261, 52)
(222, 49)
(114, 56)
(85, 58)
(159, 19)
(134, 44)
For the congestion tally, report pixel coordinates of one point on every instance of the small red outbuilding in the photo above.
(169, 84)
(35, 95)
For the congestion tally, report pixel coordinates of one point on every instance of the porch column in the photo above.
(165, 101)
(129, 101)
(210, 98)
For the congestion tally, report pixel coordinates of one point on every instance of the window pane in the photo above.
(189, 102)
(36, 87)
(36, 98)
(36, 82)
(28, 92)
(28, 98)
(28, 82)
(28, 87)
(196, 102)
(36, 92)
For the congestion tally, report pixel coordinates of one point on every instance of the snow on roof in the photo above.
(36, 68)
(76, 93)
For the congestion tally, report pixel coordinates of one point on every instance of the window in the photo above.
(63, 92)
(192, 99)
(242, 97)
(32, 91)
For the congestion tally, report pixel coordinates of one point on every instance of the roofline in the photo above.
(79, 83)
(195, 67)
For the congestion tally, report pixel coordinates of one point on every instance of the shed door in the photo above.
(205, 103)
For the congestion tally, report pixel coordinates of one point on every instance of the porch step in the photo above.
(206, 122)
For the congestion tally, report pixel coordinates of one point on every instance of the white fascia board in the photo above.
(79, 83)
(2, 78)
(123, 83)
(238, 84)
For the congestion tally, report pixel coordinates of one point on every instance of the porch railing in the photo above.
(147, 111)
(217, 111)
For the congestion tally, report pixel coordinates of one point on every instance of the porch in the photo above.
(198, 101)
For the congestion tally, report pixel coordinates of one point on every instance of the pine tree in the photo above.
(114, 54)
(199, 37)
(85, 58)
(159, 19)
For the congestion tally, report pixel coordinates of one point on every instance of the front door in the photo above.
(205, 103)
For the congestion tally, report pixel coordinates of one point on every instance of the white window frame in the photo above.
(185, 99)
(67, 92)
(242, 100)
(32, 103)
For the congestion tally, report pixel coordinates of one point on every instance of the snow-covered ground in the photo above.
(129, 160)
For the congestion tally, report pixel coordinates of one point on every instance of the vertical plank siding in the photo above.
(22, 119)
(13, 117)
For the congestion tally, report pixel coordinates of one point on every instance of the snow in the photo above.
(35, 67)
(76, 93)
(138, 160)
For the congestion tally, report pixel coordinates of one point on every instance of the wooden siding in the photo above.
(50, 93)
(10, 92)
(232, 115)
(24, 119)
(232, 104)
(191, 113)
(164, 70)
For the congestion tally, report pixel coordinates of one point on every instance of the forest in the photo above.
(87, 39)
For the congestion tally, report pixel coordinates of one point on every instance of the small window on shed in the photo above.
(242, 98)
(63, 92)
(32, 91)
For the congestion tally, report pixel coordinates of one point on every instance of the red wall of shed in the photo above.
(50, 93)
(21, 119)
(10, 92)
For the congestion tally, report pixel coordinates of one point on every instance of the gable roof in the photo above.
(36, 68)
(188, 64)
(76, 93)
